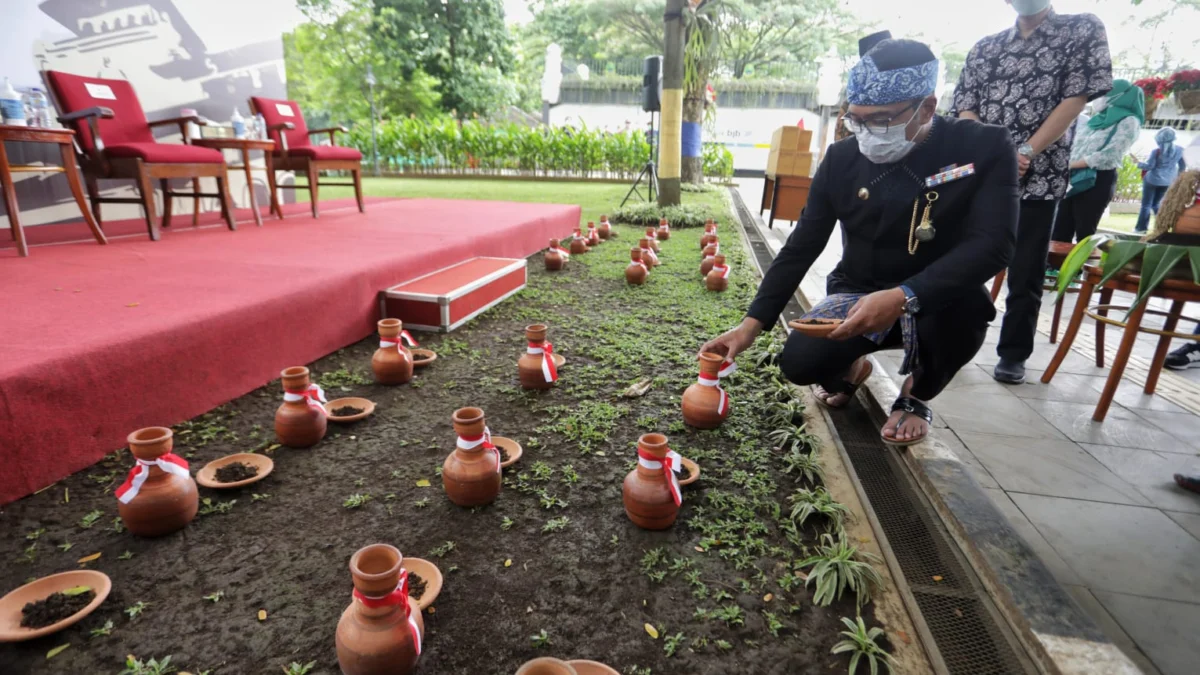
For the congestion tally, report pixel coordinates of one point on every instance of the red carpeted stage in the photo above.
(101, 340)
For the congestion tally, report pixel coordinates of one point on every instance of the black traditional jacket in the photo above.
(975, 219)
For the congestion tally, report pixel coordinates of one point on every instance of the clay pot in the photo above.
(167, 499)
(546, 666)
(664, 229)
(646, 492)
(375, 635)
(605, 229)
(529, 366)
(578, 243)
(555, 260)
(714, 245)
(652, 236)
(648, 257)
(718, 277)
(710, 233)
(298, 422)
(706, 264)
(392, 362)
(636, 272)
(471, 475)
(593, 237)
(705, 404)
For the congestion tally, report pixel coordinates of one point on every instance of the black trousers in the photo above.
(1079, 216)
(946, 341)
(1026, 277)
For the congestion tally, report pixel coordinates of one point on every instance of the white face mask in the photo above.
(1030, 7)
(891, 146)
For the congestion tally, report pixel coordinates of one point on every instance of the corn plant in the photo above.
(860, 642)
(836, 566)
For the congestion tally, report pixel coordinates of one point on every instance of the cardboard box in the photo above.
(791, 138)
(789, 163)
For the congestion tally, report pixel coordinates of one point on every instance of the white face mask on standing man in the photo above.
(1029, 7)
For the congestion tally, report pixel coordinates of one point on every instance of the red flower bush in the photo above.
(1157, 88)
(1185, 80)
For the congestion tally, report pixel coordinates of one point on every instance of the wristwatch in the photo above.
(1026, 150)
(911, 305)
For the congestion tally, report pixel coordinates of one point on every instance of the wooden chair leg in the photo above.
(195, 203)
(10, 203)
(93, 189)
(1164, 345)
(998, 283)
(68, 160)
(1119, 363)
(1105, 299)
(146, 187)
(168, 201)
(1064, 347)
(226, 205)
(312, 187)
(272, 186)
(358, 190)
(1055, 320)
(250, 187)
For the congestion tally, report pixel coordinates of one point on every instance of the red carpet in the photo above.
(101, 340)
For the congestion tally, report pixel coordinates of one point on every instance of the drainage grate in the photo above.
(970, 638)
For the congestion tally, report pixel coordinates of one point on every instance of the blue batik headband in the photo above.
(870, 86)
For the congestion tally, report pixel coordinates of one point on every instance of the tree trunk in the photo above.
(672, 106)
(692, 168)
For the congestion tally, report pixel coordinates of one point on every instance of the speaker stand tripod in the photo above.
(649, 173)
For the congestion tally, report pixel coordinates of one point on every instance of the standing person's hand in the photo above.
(871, 314)
(1022, 165)
(733, 342)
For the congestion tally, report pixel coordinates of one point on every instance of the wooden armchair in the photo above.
(294, 150)
(115, 141)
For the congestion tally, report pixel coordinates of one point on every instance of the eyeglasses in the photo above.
(879, 127)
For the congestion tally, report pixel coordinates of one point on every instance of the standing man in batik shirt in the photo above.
(1034, 79)
(928, 207)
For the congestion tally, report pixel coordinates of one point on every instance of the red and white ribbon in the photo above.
(561, 251)
(593, 235)
(665, 226)
(408, 338)
(670, 465)
(652, 234)
(396, 597)
(711, 228)
(723, 270)
(546, 351)
(727, 369)
(397, 342)
(485, 440)
(170, 462)
(642, 264)
(648, 256)
(314, 395)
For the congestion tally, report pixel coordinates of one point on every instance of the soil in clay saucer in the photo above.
(421, 357)
(235, 471)
(53, 609)
(346, 411)
(416, 585)
(503, 453)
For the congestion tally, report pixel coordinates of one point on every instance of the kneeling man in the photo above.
(928, 207)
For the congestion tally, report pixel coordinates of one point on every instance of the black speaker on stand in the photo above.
(651, 103)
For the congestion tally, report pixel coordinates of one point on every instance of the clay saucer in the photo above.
(430, 574)
(12, 604)
(583, 667)
(815, 327)
(429, 354)
(693, 472)
(367, 407)
(208, 475)
(512, 447)
(559, 360)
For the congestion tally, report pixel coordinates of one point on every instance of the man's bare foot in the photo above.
(912, 427)
(858, 373)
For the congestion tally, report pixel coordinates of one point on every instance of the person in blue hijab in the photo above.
(1159, 171)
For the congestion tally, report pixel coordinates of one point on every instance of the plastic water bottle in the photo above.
(261, 123)
(40, 109)
(12, 107)
(239, 124)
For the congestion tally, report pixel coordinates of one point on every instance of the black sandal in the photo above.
(910, 406)
(845, 387)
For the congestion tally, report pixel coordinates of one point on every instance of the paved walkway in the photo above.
(1096, 501)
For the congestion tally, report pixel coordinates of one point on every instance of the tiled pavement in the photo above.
(1096, 501)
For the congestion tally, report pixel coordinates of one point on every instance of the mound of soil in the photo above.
(235, 471)
(421, 357)
(346, 411)
(55, 608)
(416, 585)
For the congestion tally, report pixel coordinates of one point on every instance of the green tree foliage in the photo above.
(464, 44)
(757, 33)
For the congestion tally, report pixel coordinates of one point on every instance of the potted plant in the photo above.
(1186, 86)
(1156, 89)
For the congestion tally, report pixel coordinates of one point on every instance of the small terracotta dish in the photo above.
(12, 604)
(430, 574)
(559, 360)
(208, 475)
(429, 354)
(367, 407)
(510, 446)
(583, 667)
(815, 327)
(693, 472)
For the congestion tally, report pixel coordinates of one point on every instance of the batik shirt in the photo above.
(1016, 82)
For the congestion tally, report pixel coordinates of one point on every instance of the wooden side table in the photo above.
(65, 139)
(789, 196)
(245, 146)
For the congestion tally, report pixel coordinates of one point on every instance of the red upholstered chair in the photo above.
(116, 141)
(294, 150)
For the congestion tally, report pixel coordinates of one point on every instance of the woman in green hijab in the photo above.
(1100, 148)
